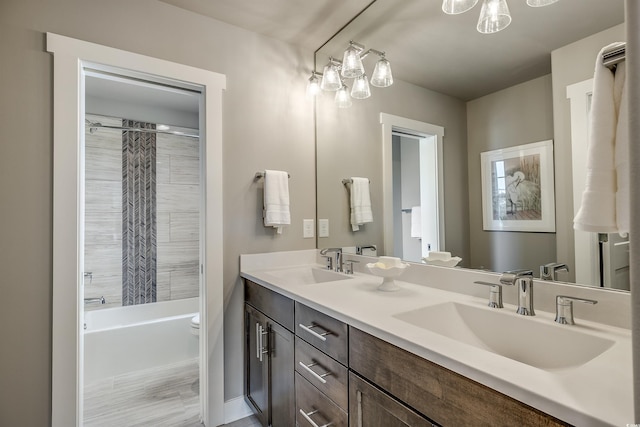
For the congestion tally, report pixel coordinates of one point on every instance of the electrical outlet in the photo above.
(323, 228)
(307, 228)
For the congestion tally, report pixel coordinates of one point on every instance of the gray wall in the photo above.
(518, 115)
(265, 126)
(571, 64)
(350, 144)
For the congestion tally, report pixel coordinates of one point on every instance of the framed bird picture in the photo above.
(518, 188)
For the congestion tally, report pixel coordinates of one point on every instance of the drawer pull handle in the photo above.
(319, 377)
(307, 416)
(309, 328)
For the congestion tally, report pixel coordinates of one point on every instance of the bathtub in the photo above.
(119, 340)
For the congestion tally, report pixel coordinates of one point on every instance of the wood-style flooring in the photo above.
(160, 397)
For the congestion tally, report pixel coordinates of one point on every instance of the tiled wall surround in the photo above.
(178, 203)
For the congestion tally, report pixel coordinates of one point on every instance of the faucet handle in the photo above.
(564, 308)
(495, 293)
(348, 265)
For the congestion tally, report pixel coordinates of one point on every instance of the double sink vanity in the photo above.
(328, 348)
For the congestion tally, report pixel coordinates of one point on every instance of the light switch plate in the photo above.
(323, 228)
(307, 228)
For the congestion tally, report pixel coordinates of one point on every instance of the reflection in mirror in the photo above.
(488, 92)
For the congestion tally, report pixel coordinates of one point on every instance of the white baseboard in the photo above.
(236, 409)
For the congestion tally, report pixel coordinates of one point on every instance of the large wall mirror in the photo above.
(486, 92)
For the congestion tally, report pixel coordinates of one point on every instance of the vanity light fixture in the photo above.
(540, 3)
(351, 67)
(454, 7)
(360, 89)
(331, 80)
(343, 99)
(313, 87)
(494, 15)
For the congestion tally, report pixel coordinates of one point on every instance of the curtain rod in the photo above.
(170, 132)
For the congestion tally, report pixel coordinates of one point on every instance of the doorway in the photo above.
(413, 188)
(72, 59)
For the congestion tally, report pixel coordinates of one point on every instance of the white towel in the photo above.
(416, 222)
(622, 151)
(276, 199)
(597, 211)
(360, 201)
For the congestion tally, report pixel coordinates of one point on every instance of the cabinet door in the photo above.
(370, 407)
(281, 362)
(257, 363)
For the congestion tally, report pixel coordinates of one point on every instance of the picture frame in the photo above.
(518, 188)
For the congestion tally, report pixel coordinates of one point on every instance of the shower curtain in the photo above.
(139, 229)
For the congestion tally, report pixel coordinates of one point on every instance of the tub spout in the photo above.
(100, 300)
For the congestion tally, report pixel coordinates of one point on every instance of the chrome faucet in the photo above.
(101, 300)
(359, 249)
(335, 263)
(523, 279)
(495, 293)
(550, 271)
(564, 308)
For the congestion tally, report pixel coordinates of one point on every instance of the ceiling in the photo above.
(425, 46)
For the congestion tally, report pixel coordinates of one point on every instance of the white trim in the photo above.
(586, 244)
(389, 123)
(236, 409)
(70, 56)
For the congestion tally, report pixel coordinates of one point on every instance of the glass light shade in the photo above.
(352, 63)
(343, 100)
(540, 3)
(330, 78)
(360, 89)
(494, 16)
(382, 76)
(313, 86)
(454, 7)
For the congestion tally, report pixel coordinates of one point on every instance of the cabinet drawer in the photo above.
(370, 407)
(314, 409)
(444, 396)
(327, 375)
(274, 305)
(323, 332)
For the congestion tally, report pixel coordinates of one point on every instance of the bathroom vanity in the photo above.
(327, 348)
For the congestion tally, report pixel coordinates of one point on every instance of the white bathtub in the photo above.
(126, 339)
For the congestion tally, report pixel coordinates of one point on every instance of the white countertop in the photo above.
(596, 393)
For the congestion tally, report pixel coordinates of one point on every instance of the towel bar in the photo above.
(260, 175)
(350, 181)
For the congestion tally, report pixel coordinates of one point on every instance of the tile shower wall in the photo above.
(178, 203)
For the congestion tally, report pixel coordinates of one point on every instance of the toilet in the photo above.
(195, 325)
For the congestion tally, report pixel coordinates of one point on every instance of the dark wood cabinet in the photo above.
(371, 407)
(269, 358)
(444, 396)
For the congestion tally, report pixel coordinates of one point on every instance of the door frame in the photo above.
(70, 57)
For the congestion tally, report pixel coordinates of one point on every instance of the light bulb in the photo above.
(352, 63)
(313, 86)
(343, 100)
(382, 76)
(360, 89)
(494, 16)
(330, 78)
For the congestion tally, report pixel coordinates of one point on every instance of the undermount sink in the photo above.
(544, 346)
(306, 275)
